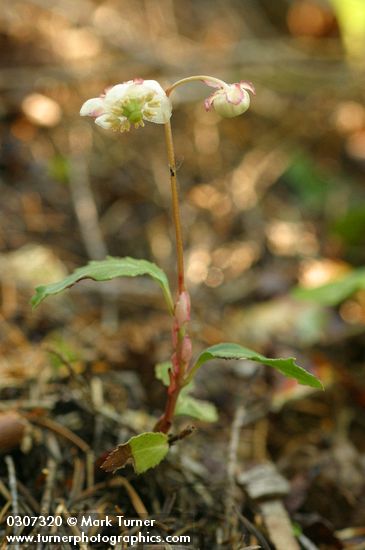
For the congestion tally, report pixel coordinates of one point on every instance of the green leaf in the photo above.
(288, 367)
(334, 293)
(162, 372)
(143, 451)
(186, 404)
(148, 449)
(105, 270)
(196, 408)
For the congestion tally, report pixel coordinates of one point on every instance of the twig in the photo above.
(50, 481)
(184, 433)
(4, 491)
(230, 517)
(97, 399)
(90, 462)
(278, 524)
(13, 491)
(267, 488)
(259, 442)
(47, 494)
(12, 483)
(117, 481)
(60, 430)
(78, 479)
(32, 503)
(4, 510)
(254, 531)
(26, 404)
(74, 529)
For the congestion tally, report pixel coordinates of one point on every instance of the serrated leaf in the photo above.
(288, 367)
(148, 449)
(106, 270)
(143, 451)
(196, 408)
(118, 458)
(334, 293)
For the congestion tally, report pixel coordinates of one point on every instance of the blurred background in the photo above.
(270, 200)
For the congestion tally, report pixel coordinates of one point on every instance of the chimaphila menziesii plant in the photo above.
(120, 108)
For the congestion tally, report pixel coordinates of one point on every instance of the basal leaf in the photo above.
(143, 451)
(334, 293)
(148, 450)
(104, 270)
(288, 367)
(196, 408)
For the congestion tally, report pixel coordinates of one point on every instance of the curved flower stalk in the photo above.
(229, 100)
(127, 104)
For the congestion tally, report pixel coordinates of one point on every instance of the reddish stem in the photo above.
(165, 422)
(180, 359)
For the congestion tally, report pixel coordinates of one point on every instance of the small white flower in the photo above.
(130, 103)
(229, 100)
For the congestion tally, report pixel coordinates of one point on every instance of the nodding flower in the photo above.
(229, 100)
(127, 104)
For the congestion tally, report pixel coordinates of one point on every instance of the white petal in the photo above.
(155, 86)
(235, 94)
(136, 91)
(117, 92)
(93, 107)
(247, 86)
(208, 102)
(104, 121)
(228, 109)
(161, 114)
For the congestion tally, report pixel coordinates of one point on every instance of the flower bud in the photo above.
(186, 349)
(174, 333)
(230, 100)
(182, 309)
(175, 365)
